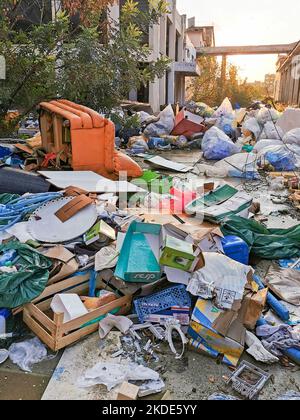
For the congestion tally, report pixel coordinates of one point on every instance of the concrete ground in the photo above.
(196, 376)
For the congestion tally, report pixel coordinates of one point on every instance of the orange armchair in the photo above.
(86, 137)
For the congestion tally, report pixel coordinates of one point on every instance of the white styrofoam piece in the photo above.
(44, 226)
(168, 164)
(88, 181)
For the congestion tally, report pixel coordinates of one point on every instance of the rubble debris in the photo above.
(182, 261)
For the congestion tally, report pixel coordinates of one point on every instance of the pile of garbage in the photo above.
(74, 259)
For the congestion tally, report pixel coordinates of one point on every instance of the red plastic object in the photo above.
(87, 136)
(187, 124)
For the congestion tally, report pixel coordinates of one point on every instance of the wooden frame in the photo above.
(54, 332)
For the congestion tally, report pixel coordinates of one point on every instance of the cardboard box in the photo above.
(177, 254)
(100, 228)
(206, 338)
(139, 254)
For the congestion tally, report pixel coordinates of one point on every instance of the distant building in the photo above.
(270, 84)
(287, 82)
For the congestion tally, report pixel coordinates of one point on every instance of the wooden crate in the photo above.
(50, 327)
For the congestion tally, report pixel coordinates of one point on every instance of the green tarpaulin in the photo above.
(270, 244)
(29, 281)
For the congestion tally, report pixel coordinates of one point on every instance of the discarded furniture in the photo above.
(83, 137)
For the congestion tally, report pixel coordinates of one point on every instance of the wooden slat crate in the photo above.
(50, 327)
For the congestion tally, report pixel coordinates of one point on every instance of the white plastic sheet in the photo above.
(28, 353)
(113, 374)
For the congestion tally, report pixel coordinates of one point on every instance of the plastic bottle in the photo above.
(4, 314)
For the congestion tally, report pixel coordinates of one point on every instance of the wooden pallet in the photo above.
(50, 327)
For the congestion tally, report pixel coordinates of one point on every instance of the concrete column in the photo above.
(171, 86)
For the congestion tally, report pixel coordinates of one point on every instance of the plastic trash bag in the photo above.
(225, 109)
(292, 137)
(267, 114)
(29, 281)
(28, 353)
(204, 110)
(138, 142)
(225, 124)
(240, 165)
(164, 126)
(216, 145)
(270, 244)
(262, 144)
(281, 158)
(251, 124)
(272, 132)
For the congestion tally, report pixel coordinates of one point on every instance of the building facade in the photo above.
(287, 83)
(177, 39)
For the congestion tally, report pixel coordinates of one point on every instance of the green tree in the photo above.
(205, 87)
(56, 58)
(208, 87)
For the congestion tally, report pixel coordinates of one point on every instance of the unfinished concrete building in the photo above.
(178, 39)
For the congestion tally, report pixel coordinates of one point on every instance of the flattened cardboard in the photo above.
(73, 207)
(206, 338)
(64, 263)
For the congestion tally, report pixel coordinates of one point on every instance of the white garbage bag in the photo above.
(267, 114)
(292, 137)
(262, 144)
(272, 131)
(164, 126)
(225, 109)
(251, 124)
(216, 145)
(239, 165)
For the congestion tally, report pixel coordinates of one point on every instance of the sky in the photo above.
(254, 22)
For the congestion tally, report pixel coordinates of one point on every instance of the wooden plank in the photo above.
(76, 323)
(38, 330)
(79, 290)
(75, 336)
(40, 316)
(62, 285)
(58, 134)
